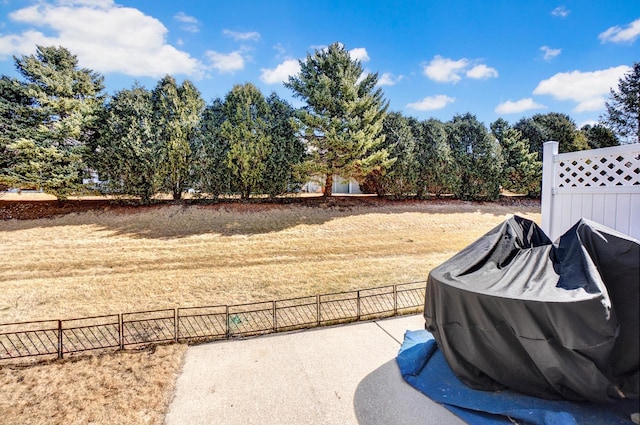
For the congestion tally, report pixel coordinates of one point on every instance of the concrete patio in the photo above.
(337, 375)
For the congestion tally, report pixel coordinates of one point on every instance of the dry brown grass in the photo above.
(119, 388)
(106, 262)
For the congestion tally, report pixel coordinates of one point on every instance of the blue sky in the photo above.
(509, 58)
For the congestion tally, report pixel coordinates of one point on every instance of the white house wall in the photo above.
(340, 186)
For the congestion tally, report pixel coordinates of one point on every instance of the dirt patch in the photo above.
(37, 209)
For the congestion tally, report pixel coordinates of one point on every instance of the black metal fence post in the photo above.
(176, 326)
(358, 306)
(318, 316)
(275, 317)
(395, 299)
(60, 347)
(120, 331)
(228, 331)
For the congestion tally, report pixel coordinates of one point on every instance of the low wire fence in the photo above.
(51, 339)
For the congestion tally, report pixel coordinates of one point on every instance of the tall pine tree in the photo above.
(522, 172)
(623, 107)
(342, 121)
(65, 101)
(18, 119)
(287, 150)
(437, 171)
(478, 158)
(125, 155)
(246, 131)
(598, 136)
(541, 128)
(399, 179)
(212, 173)
(178, 111)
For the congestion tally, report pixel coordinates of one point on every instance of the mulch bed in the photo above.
(31, 210)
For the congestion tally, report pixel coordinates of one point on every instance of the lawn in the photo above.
(117, 260)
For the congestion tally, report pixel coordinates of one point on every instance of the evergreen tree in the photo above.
(178, 111)
(623, 107)
(399, 179)
(66, 101)
(342, 122)
(522, 172)
(246, 131)
(541, 128)
(213, 175)
(437, 170)
(535, 133)
(599, 136)
(287, 150)
(18, 119)
(478, 158)
(562, 129)
(125, 155)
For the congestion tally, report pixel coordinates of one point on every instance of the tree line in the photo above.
(57, 125)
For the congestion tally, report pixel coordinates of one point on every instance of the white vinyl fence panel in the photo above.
(602, 185)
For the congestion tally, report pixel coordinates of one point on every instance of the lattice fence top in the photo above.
(620, 169)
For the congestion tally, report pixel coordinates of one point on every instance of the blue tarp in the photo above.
(424, 367)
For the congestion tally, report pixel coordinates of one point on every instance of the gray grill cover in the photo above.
(554, 320)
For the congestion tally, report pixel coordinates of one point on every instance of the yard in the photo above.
(117, 259)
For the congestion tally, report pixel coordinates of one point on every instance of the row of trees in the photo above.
(56, 124)
(166, 140)
(143, 140)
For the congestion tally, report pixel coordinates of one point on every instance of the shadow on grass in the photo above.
(169, 220)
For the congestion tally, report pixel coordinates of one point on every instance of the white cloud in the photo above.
(431, 103)
(560, 12)
(25, 43)
(225, 62)
(190, 23)
(445, 70)
(183, 17)
(280, 73)
(388, 79)
(321, 47)
(280, 49)
(621, 35)
(97, 3)
(519, 106)
(550, 53)
(242, 36)
(105, 37)
(588, 122)
(360, 54)
(588, 89)
(482, 72)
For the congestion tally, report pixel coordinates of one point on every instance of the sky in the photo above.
(434, 59)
